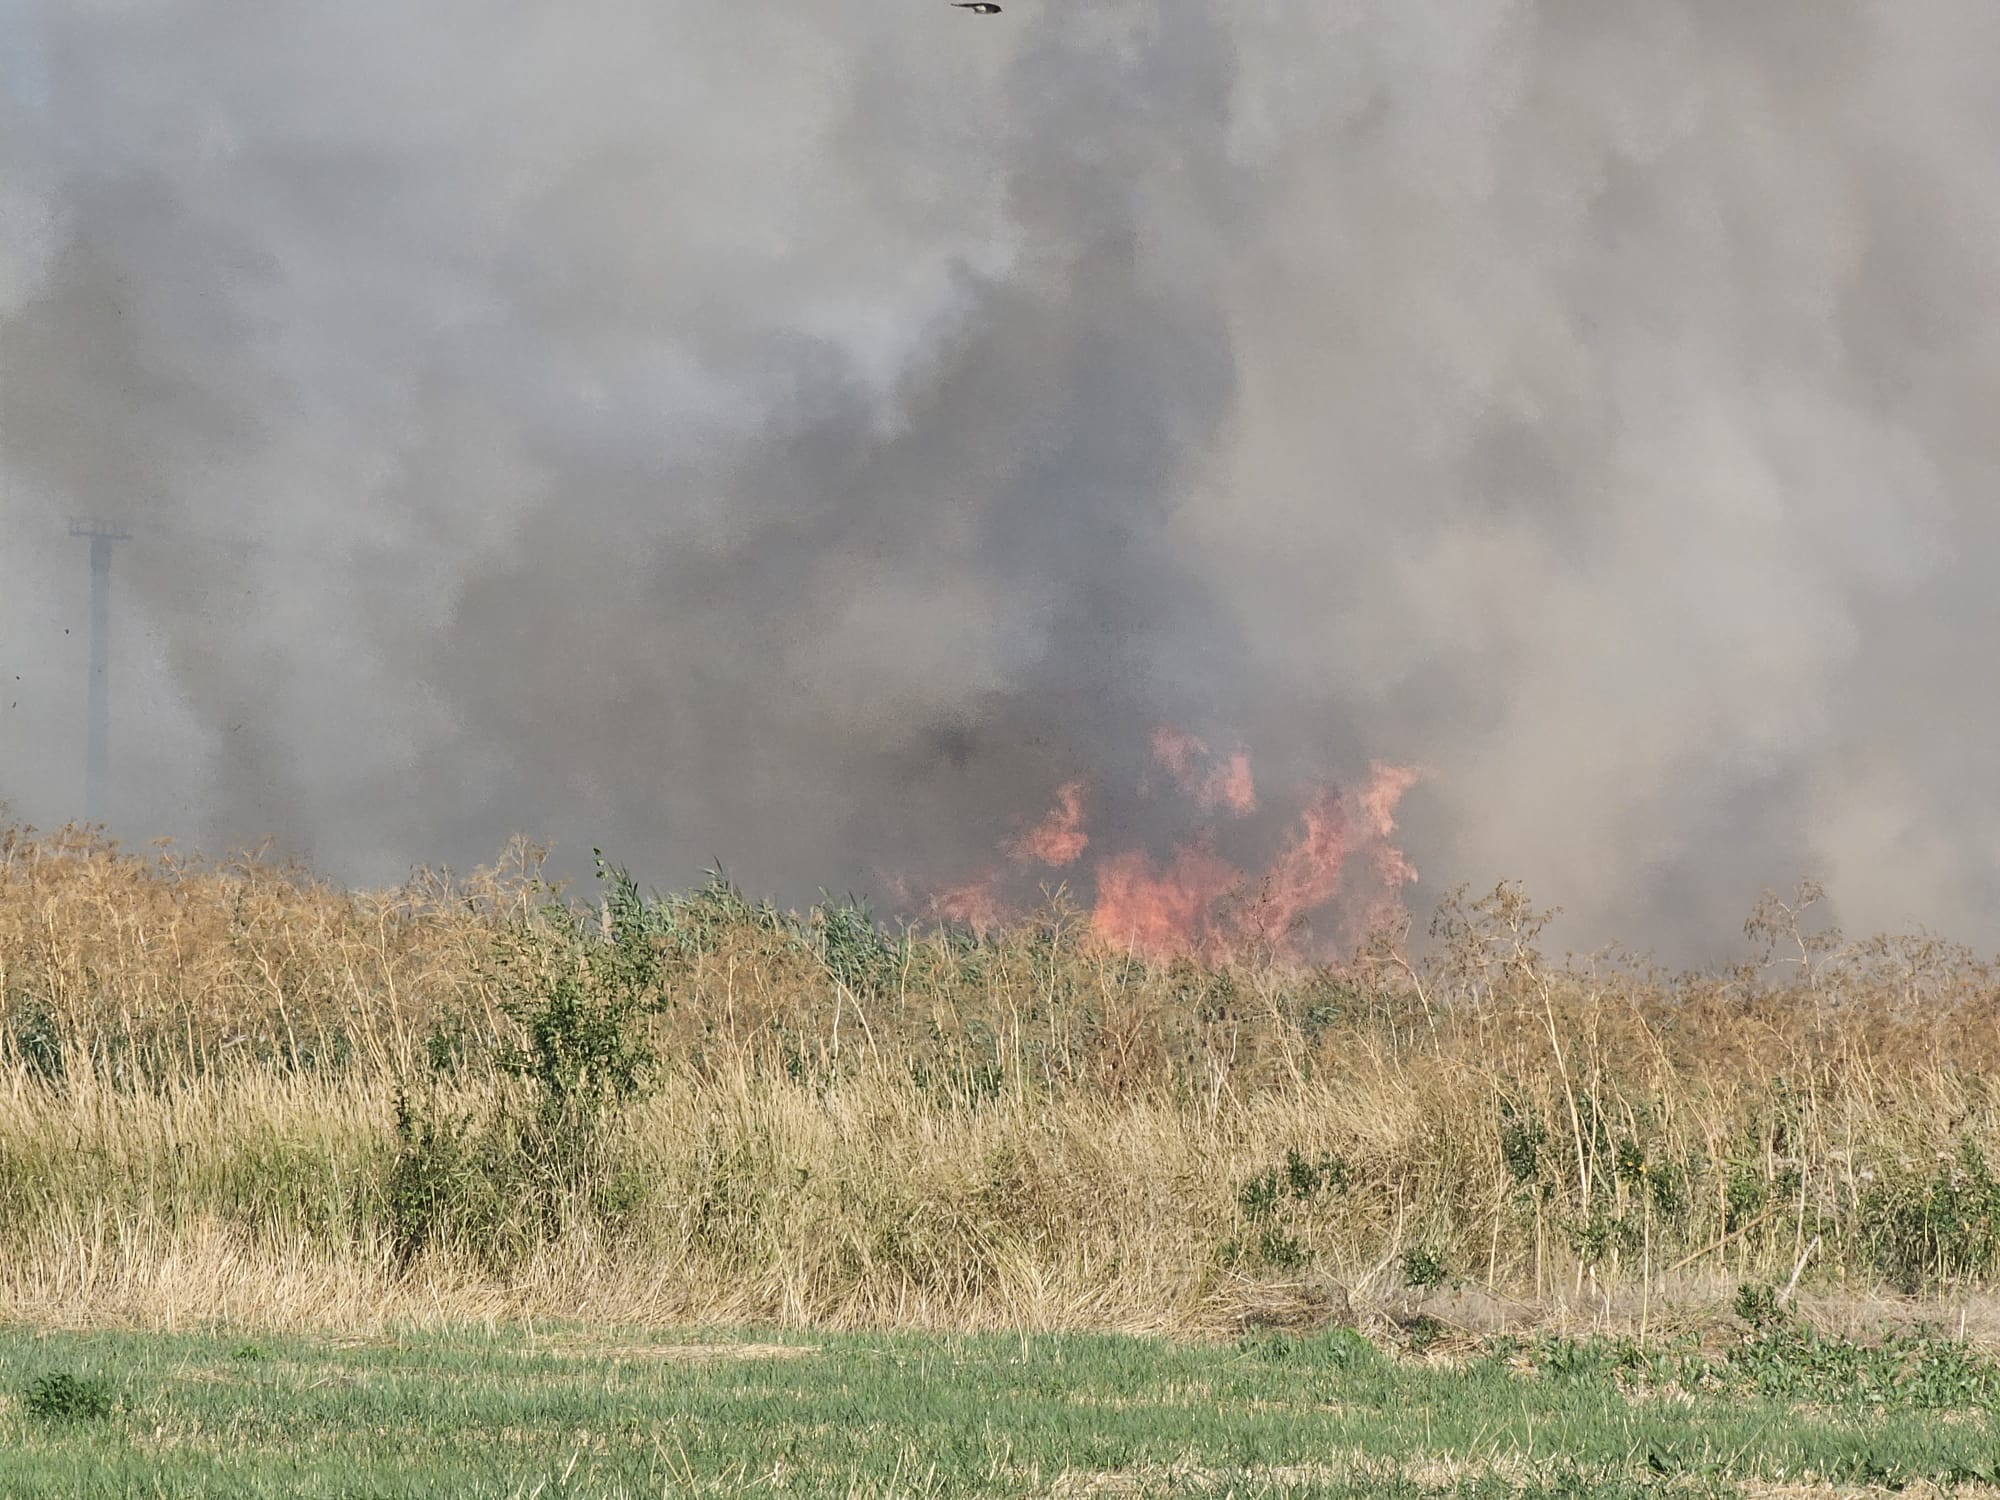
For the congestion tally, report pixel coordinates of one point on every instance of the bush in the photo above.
(449, 1184)
(1423, 1270)
(37, 1039)
(62, 1397)
(1757, 1304)
(580, 987)
(1920, 1228)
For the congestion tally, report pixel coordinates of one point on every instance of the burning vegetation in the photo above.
(1334, 879)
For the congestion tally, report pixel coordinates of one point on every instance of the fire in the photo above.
(1306, 874)
(975, 904)
(1059, 838)
(1336, 860)
(1227, 784)
(1165, 913)
(1386, 787)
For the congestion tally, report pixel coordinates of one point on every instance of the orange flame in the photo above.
(1162, 913)
(1386, 787)
(1059, 838)
(1193, 767)
(1198, 904)
(975, 904)
(1306, 874)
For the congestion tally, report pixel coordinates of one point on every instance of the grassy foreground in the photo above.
(566, 1412)
(231, 1093)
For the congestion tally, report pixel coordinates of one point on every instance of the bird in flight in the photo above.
(977, 7)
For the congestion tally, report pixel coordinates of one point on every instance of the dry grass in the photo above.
(200, 1066)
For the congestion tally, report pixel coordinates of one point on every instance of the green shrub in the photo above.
(1757, 1304)
(1522, 1141)
(445, 1186)
(580, 987)
(62, 1397)
(1423, 1332)
(37, 1038)
(1423, 1270)
(1743, 1197)
(1921, 1228)
(854, 950)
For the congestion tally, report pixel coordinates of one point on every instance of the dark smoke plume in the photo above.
(807, 435)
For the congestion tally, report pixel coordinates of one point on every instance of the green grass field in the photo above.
(568, 1412)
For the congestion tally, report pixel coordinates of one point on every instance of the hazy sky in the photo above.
(808, 434)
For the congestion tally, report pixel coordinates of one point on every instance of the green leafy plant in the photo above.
(445, 1186)
(1743, 1197)
(1259, 1196)
(37, 1039)
(1306, 1178)
(580, 987)
(1921, 1228)
(1757, 1304)
(1522, 1140)
(1281, 1251)
(1595, 1236)
(855, 951)
(62, 1397)
(1423, 1332)
(1424, 1270)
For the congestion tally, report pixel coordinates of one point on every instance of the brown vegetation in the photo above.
(230, 1091)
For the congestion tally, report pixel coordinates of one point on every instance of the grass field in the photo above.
(566, 1411)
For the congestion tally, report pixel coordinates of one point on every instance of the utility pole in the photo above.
(97, 750)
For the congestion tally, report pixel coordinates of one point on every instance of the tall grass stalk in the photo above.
(202, 1069)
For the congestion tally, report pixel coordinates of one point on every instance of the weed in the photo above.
(579, 988)
(580, 1000)
(1666, 1184)
(1260, 1196)
(447, 1047)
(1424, 1270)
(1757, 1304)
(1298, 1179)
(62, 1397)
(852, 947)
(1743, 1197)
(1923, 1228)
(1281, 1251)
(425, 1191)
(37, 1039)
(1630, 1163)
(1306, 1179)
(1522, 1141)
(1595, 1236)
(1422, 1332)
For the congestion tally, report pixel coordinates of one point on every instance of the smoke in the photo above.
(810, 436)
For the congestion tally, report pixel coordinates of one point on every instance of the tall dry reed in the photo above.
(203, 1066)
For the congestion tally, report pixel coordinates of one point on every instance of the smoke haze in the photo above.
(809, 435)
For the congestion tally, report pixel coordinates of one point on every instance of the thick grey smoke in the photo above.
(808, 434)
